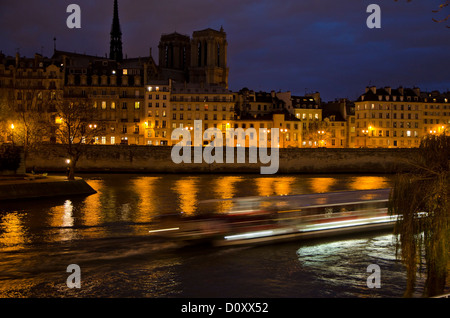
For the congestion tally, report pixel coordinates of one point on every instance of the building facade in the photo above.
(399, 118)
(141, 102)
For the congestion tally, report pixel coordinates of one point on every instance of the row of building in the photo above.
(140, 102)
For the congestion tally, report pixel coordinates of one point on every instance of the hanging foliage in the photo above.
(420, 198)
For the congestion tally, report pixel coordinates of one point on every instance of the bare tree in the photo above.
(441, 7)
(76, 128)
(22, 118)
(318, 133)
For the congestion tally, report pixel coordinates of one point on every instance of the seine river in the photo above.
(106, 235)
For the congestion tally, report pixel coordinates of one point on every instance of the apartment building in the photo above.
(399, 118)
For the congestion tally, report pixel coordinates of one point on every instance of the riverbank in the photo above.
(23, 187)
(158, 159)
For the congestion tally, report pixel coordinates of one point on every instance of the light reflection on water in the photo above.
(39, 238)
(124, 202)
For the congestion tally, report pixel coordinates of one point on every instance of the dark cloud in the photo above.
(308, 45)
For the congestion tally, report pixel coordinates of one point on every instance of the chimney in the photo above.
(373, 89)
(400, 90)
(417, 91)
(388, 89)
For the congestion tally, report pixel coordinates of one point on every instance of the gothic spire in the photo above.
(115, 52)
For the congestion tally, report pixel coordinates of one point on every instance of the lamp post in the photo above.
(321, 134)
(365, 132)
(12, 134)
(284, 131)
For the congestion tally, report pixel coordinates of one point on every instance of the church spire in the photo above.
(115, 51)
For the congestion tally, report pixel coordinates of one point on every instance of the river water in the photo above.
(106, 235)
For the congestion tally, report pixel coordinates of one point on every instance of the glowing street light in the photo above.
(365, 132)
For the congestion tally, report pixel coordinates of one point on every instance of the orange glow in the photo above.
(321, 185)
(13, 232)
(367, 183)
(226, 189)
(147, 206)
(187, 189)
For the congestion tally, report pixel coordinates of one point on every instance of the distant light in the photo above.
(12, 126)
(68, 161)
(114, 72)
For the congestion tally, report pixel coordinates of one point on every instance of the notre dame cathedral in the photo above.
(200, 59)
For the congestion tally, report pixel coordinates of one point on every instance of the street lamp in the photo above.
(365, 132)
(321, 134)
(284, 131)
(12, 134)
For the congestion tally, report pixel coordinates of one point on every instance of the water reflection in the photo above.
(369, 182)
(269, 186)
(12, 229)
(225, 188)
(147, 206)
(123, 203)
(186, 189)
(321, 185)
(92, 206)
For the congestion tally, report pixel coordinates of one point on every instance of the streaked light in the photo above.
(341, 224)
(249, 235)
(164, 230)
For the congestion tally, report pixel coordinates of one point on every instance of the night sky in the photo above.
(300, 46)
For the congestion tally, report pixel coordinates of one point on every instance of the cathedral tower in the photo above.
(115, 51)
(209, 57)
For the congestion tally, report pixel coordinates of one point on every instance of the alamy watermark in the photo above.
(374, 19)
(214, 151)
(374, 279)
(74, 19)
(74, 279)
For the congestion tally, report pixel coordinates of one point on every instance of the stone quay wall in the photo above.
(157, 159)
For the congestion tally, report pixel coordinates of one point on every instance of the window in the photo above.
(113, 140)
(137, 105)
